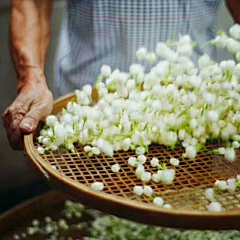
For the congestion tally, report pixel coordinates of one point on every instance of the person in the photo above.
(95, 32)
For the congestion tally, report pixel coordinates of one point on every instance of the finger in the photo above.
(11, 120)
(30, 120)
(15, 137)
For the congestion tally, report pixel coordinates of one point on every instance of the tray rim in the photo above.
(143, 208)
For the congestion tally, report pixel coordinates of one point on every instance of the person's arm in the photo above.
(234, 8)
(29, 39)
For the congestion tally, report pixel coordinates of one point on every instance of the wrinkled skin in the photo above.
(33, 103)
(29, 39)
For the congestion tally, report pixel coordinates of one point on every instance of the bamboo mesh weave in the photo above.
(74, 173)
(187, 191)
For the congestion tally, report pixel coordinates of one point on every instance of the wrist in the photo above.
(32, 75)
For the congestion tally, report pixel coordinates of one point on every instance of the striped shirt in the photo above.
(97, 32)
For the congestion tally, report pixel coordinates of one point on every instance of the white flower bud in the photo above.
(132, 161)
(147, 191)
(233, 46)
(51, 120)
(40, 138)
(46, 141)
(235, 31)
(142, 159)
(105, 71)
(235, 144)
(215, 207)
(141, 53)
(96, 150)
(87, 148)
(138, 190)
(236, 70)
(191, 152)
(53, 146)
(174, 161)
(231, 182)
(221, 151)
(97, 186)
(156, 177)
(158, 201)
(221, 41)
(209, 194)
(181, 134)
(88, 89)
(135, 69)
(131, 84)
(146, 176)
(221, 185)
(151, 57)
(168, 176)
(167, 206)
(115, 168)
(230, 154)
(154, 162)
(40, 150)
(212, 116)
(139, 170)
(238, 56)
(140, 150)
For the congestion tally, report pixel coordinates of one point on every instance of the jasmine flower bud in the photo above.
(95, 150)
(154, 162)
(235, 31)
(138, 190)
(147, 191)
(221, 150)
(97, 186)
(115, 168)
(231, 183)
(230, 154)
(151, 57)
(87, 148)
(221, 185)
(139, 170)
(174, 161)
(168, 176)
(146, 176)
(40, 150)
(213, 116)
(141, 53)
(140, 151)
(215, 207)
(209, 194)
(168, 206)
(132, 161)
(105, 71)
(191, 152)
(51, 120)
(158, 201)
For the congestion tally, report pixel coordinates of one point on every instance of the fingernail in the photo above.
(26, 125)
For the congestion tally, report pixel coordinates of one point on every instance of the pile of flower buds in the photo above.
(175, 103)
(108, 227)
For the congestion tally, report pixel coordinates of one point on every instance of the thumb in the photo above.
(30, 121)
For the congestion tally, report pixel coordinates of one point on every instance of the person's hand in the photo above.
(33, 103)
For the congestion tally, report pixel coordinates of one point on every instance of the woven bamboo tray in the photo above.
(73, 173)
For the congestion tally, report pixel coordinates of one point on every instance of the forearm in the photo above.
(29, 38)
(234, 8)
